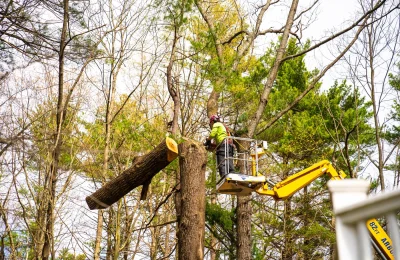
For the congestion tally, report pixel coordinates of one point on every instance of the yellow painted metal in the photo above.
(254, 158)
(295, 182)
(239, 184)
(381, 239)
(253, 166)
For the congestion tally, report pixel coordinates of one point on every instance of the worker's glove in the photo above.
(209, 145)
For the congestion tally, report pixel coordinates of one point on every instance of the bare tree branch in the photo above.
(355, 24)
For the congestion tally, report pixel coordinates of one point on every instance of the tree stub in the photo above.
(192, 162)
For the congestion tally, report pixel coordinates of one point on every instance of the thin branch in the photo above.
(355, 24)
(174, 189)
(315, 80)
(154, 226)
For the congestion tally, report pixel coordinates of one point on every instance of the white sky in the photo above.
(327, 17)
(332, 16)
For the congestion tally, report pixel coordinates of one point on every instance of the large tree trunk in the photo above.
(244, 207)
(142, 170)
(244, 227)
(243, 220)
(280, 53)
(192, 161)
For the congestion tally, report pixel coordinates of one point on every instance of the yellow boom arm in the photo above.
(296, 182)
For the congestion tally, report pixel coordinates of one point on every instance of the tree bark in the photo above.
(117, 234)
(212, 104)
(99, 230)
(214, 245)
(192, 162)
(2, 254)
(287, 253)
(244, 227)
(144, 168)
(244, 214)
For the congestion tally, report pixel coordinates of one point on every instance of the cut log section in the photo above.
(140, 173)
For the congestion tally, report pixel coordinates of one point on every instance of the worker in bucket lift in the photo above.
(219, 132)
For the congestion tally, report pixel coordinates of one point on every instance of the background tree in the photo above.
(393, 135)
(369, 66)
(117, 48)
(22, 32)
(346, 115)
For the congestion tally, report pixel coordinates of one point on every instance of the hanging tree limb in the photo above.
(140, 173)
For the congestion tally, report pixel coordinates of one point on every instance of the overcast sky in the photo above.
(327, 17)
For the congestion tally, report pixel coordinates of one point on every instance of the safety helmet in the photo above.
(214, 118)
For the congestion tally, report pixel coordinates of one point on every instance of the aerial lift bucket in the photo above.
(242, 184)
(239, 184)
